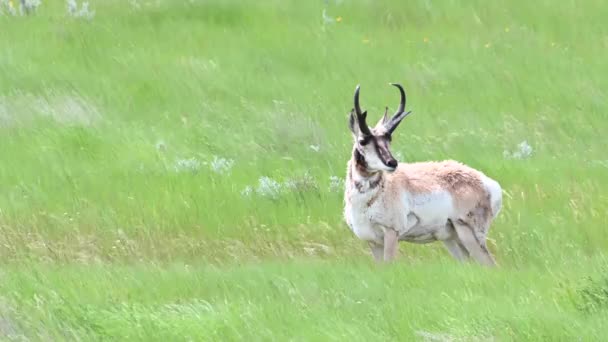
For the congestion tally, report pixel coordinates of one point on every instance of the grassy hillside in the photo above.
(173, 170)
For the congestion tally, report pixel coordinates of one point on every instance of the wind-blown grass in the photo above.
(173, 170)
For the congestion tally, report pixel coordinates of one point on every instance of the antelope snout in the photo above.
(392, 163)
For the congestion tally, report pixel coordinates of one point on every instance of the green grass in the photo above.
(104, 237)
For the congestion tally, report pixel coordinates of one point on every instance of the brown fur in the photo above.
(464, 183)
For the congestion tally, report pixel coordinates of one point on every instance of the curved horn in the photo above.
(361, 115)
(399, 114)
(402, 101)
(357, 107)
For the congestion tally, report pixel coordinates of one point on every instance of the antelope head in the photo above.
(372, 145)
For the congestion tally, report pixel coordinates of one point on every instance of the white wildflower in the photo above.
(83, 12)
(247, 191)
(28, 6)
(299, 184)
(72, 6)
(185, 165)
(524, 150)
(315, 148)
(336, 184)
(327, 19)
(220, 165)
(8, 6)
(268, 187)
(290, 185)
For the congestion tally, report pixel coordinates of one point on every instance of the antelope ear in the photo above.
(355, 123)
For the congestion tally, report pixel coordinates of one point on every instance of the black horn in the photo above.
(399, 114)
(361, 115)
(357, 106)
(402, 100)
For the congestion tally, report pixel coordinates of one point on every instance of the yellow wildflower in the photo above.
(487, 45)
(426, 40)
(339, 19)
(365, 41)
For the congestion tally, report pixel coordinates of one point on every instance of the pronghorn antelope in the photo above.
(387, 201)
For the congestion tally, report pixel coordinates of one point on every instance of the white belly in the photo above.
(360, 223)
(428, 216)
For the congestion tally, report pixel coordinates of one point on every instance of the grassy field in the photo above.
(172, 170)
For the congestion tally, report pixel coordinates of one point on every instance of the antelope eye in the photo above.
(364, 141)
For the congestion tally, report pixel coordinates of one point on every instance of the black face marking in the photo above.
(365, 140)
(382, 150)
(360, 160)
